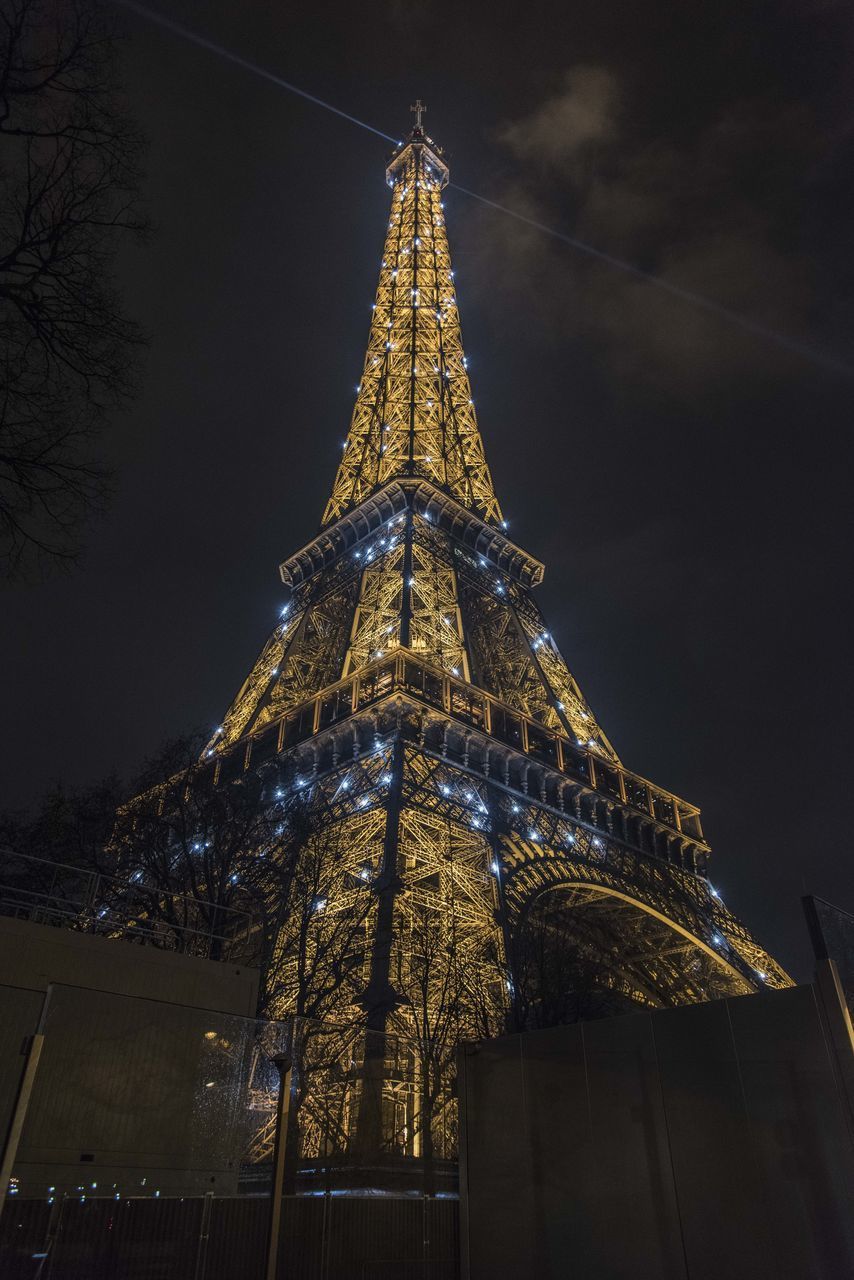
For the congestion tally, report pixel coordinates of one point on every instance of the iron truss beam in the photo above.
(433, 505)
(535, 845)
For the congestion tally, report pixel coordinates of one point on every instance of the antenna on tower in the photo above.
(417, 110)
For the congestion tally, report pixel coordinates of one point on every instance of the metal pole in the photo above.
(833, 1011)
(463, 1051)
(53, 1225)
(32, 1048)
(284, 1064)
(204, 1236)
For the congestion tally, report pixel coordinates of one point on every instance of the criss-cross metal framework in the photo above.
(414, 412)
(413, 692)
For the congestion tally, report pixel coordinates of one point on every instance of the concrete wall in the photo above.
(32, 955)
(703, 1142)
(142, 1083)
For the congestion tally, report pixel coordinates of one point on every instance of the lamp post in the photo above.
(284, 1065)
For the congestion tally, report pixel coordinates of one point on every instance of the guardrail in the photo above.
(404, 671)
(60, 894)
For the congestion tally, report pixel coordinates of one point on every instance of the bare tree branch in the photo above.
(69, 182)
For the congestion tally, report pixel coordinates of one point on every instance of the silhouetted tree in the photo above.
(71, 825)
(251, 867)
(51, 855)
(69, 180)
(240, 866)
(450, 983)
(248, 867)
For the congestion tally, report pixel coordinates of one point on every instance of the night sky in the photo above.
(686, 483)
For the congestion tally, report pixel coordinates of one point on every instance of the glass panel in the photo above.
(265, 745)
(664, 809)
(19, 1017)
(690, 823)
(298, 726)
(433, 688)
(413, 676)
(367, 689)
(336, 705)
(385, 679)
(376, 684)
(541, 744)
(506, 726)
(466, 705)
(363, 1101)
(150, 1136)
(636, 793)
(424, 682)
(607, 780)
(231, 766)
(832, 933)
(575, 762)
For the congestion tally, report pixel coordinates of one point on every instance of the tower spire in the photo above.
(417, 109)
(414, 412)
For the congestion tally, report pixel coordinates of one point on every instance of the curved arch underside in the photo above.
(623, 930)
(581, 952)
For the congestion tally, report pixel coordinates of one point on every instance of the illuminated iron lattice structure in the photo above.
(413, 690)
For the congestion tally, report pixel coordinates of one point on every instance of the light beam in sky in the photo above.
(699, 300)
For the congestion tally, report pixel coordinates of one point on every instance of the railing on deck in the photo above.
(56, 893)
(405, 672)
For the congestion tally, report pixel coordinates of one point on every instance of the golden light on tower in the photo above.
(413, 696)
(414, 412)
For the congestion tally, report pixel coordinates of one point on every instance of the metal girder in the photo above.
(436, 508)
(414, 413)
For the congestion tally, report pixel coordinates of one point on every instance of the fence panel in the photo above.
(325, 1237)
(23, 1231)
(237, 1238)
(152, 1128)
(126, 1240)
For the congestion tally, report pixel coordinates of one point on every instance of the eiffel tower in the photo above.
(413, 690)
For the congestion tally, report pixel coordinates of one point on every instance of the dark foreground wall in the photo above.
(323, 1238)
(34, 955)
(138, 1086)
(704, 1142)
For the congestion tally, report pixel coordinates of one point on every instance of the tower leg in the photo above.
(380, 996)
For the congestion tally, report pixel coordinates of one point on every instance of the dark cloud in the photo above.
(407, 18)
(712, 213)
(582, 115)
